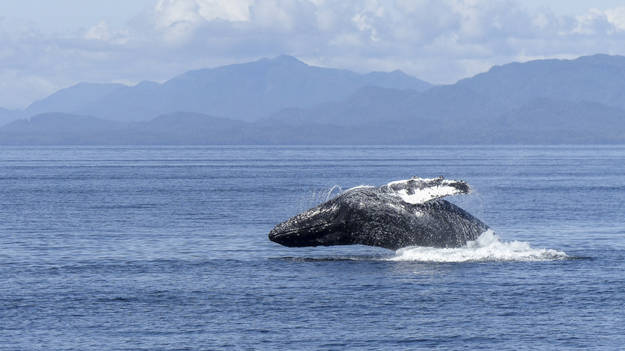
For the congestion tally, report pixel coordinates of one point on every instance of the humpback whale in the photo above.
(401, 213)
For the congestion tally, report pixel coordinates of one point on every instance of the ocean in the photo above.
(165, 248)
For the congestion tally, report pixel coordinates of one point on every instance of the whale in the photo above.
(410, 212)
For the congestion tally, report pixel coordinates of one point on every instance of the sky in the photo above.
(48, 45)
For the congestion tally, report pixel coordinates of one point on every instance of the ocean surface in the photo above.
(165, 248)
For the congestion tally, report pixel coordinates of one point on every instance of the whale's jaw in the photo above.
(319, 226)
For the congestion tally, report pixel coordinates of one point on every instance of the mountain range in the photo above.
(285, 101)
(245, 91)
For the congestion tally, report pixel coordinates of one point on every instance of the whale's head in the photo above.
(322, 225)
(335, 222)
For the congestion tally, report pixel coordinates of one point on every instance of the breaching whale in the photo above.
(399, 214)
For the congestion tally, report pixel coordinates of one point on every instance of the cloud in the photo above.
(102, 32)
(176, 20)
(437, 40)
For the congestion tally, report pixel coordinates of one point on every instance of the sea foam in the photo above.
(487, 247)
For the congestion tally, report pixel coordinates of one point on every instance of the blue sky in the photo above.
(60, 15)
(46, 45)
(72, 14)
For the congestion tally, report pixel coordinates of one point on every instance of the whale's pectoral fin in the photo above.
(419, 190)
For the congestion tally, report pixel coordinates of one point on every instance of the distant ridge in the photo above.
(538, 102)
(68, 129)
(72, 98)
(598, 78)
(246, 91)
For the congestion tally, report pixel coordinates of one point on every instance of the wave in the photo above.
(487, 247)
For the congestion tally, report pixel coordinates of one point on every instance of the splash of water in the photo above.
(487, 247)
(318, 197)
(330, 193)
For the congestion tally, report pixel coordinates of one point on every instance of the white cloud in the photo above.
(103, 32)
(177, 19)
(592, 23)
(437, 40)
(616, 17)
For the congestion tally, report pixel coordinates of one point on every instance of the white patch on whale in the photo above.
(420, 190)
(422, 195)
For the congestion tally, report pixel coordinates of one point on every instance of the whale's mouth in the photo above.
(299, 236)
(319, 226)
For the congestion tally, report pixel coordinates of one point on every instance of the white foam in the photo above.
(487, 247)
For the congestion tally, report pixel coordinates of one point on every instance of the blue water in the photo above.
(165, 248)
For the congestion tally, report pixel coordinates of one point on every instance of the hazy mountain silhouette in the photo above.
(245, 91)
(182, 128)
(538, 102)
(437, 106)
(548, 121)
(73, 98)
(68, 129)
(59, 128)
(544, 101)
(598, 78)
